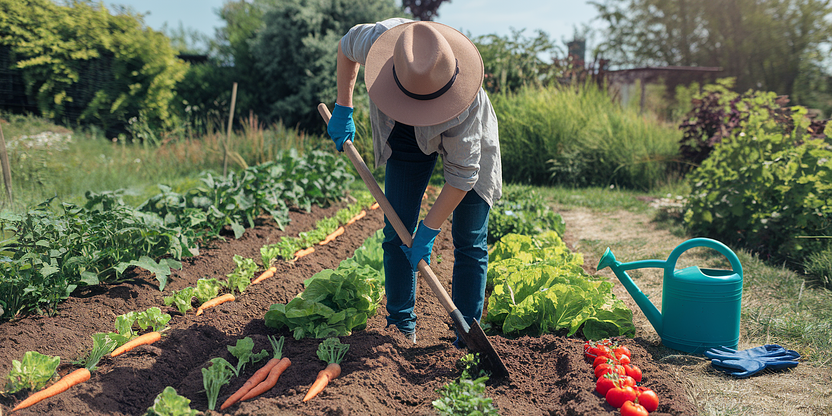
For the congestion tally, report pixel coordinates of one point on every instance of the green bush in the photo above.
(83, 65)
(579, 137)
(768, 187)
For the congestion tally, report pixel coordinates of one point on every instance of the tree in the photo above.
(760, 42)
(295, 53)
(423, 9)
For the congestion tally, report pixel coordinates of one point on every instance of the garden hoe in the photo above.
(472, 335)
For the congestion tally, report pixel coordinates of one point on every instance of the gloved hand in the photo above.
(745, 363)
(341, 126)
(422, 245)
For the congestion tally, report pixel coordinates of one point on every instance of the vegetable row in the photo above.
(49, 251)
(618, 378)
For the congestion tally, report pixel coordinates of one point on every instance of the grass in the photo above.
(48, 160)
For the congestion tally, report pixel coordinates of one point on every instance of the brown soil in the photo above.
(382, 373)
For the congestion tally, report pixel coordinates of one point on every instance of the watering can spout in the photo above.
(650, 311)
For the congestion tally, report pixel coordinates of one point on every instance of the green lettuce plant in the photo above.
(32, 372)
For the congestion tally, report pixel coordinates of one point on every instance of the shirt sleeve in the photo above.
(461, 149)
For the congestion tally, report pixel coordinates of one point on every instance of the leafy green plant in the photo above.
(181, 299)
(522, 210)
(465, 397)
(207, 289)
(333, 303)
(241, 277)
(152, 318)
(169, 403)
(102, 345)
(214, 377)
(242, 350)
(766, 188)
(32, 372)
(539, 286)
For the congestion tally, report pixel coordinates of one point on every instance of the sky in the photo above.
(558, 18)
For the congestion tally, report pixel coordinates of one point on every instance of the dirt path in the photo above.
(804, 390)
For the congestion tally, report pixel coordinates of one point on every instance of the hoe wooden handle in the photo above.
(397, 224)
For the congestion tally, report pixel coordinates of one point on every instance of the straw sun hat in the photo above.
(438, 73)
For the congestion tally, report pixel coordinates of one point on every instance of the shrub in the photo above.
(766, 187)
(83, 65)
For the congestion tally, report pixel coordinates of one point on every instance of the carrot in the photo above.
(267, 274)
(332, 352)
(214, 302)
(357, 217)
(324, 376)
(257, 379)
(270, 381)
(332, 236)
(76, 377)
(374, 206)
(304, 252)
(145, 339)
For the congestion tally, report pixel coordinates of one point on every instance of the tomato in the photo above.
(609, 367)
(633, 371)
(599, 360)
(626, 381)
(616, 396)
(633, 409)
(648, 399)
(621, 351)
(603, 385)
(624, 360)
(591, 352)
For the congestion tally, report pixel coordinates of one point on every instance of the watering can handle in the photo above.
(670, 265)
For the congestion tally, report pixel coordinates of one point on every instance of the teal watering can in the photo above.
(700, 307)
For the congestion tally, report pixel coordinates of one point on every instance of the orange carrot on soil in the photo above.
(76, 377)
(324, 376)
(145, 339)
(332, 352)
(270, 381)
(262, 374)
(304, 252)
(267, 274)
(374, 206)
(214, 302)
(357, 217)
(332, 236)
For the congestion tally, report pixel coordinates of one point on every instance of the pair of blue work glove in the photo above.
(422, 245)
(341, 126)
(745, 363)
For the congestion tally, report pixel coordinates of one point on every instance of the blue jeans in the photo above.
(407, 175)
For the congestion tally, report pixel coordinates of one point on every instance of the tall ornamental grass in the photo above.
(580, 137)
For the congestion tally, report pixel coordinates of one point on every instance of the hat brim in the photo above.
(390, 100)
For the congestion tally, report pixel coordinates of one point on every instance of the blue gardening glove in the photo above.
(341, 127)
(745, 363)
(422, 245)
(765, 351)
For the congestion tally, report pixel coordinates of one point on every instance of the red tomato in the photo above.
(621, 351)
(603, 385)
(648, 399)
(625, 381)
(633, 371)
(616, 396)
(633, 409)
(624, 360)
(599, 360)
(609, 367)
